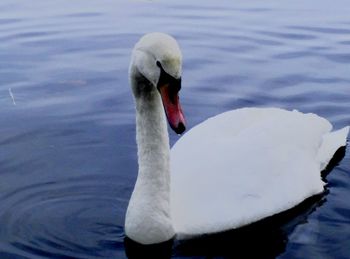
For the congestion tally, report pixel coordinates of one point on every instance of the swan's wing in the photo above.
(330, 144)
(244, 165)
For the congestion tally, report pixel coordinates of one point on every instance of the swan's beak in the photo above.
(172, 107)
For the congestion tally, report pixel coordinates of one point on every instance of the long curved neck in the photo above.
(153, 146)
(148, 215)
(152, 140)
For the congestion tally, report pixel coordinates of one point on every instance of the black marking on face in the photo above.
(166, 79)
(144, 86)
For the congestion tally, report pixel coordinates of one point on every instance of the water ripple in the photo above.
(9, 21)
(325, 30)
(296, 79)
(68, 218)
(343, 58)
(289, 36)
(345, 42)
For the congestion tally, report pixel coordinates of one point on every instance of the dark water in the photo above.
(67, 148)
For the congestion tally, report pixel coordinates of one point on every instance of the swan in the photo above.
(229, 171)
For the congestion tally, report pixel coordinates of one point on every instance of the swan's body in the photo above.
(253, 163)
(229, 171)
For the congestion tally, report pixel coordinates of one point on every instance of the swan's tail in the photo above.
(331, 143)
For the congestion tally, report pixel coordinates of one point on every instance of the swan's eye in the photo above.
(158, 64)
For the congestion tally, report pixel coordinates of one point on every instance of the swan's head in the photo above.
(156, 65)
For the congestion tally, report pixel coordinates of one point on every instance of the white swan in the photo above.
(229, 171)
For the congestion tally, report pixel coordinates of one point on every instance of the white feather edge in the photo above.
(330, 144)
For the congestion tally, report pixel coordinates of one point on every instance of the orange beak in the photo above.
(172, 108)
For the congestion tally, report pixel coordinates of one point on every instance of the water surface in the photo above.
(67, 145)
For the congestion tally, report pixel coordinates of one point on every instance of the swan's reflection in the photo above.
(135, 250)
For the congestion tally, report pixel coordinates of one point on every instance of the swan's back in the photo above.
(247, 164)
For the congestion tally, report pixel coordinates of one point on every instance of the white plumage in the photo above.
(227, 172)
(243, 165)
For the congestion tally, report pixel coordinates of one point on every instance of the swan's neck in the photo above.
(148, 215)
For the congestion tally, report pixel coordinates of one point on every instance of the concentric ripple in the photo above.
(71, 218)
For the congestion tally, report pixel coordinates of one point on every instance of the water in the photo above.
(67, 145)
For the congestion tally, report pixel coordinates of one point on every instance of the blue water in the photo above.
(67, 135)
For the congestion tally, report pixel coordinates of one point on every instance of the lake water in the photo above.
(67, 135)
